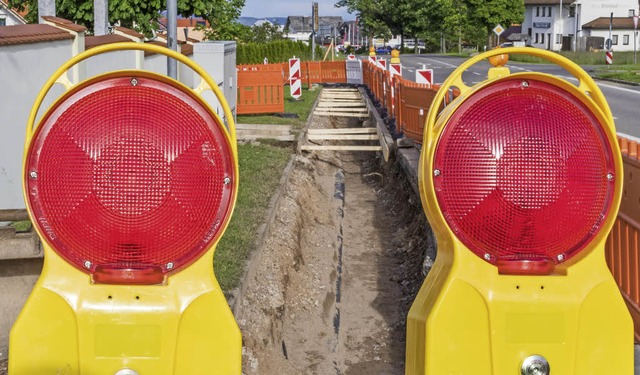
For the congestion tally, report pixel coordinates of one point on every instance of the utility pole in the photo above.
(172, 34)
(314, 28)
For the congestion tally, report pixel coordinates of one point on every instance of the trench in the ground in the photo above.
(338, 271)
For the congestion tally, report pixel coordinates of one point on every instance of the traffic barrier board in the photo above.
(424, 76)
(295, 83)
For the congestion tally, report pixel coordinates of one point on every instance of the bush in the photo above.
(275, 52)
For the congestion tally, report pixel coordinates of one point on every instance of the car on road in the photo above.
(384, 50)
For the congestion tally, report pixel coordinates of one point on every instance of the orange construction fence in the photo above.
(623, 244)
(260, 92)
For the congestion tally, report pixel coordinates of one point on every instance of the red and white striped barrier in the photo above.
(424, 76)
(395, 69)
(608, 57)
(382, 64)
(295, 83)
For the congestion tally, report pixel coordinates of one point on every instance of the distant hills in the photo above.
(249, 21)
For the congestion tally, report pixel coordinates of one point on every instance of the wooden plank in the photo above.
(343, 131)
(345, 110)
(263, 127)
(341, 104)
(340, 114)
(339, 148)
(253, 137)
(342, 137)
(341, 90)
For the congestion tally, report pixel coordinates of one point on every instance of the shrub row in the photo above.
(275, 52)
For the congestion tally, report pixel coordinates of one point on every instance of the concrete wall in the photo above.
(24, 70)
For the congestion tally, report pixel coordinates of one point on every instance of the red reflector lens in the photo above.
(523, 175)
(130, 177)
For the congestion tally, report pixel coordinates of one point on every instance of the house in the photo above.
(558, 24)
(11, 17)
(622, 31)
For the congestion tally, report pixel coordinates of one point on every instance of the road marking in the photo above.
(476, 73)
(443, 63)
(604, 85)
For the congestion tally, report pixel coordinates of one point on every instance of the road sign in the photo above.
(315, 17)
(608, 57)
(608, 43)
(351, 57)
(424, 76)
(395, 69)
(295, 81)
(498, 29)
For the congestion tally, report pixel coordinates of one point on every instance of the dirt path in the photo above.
(338, 271)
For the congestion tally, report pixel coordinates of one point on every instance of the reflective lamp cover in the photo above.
(524, 175)
(129, 178)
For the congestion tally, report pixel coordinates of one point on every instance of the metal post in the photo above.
(561, 27)
(46, 8)
(100, 17)
(172, 34)
(635, 40)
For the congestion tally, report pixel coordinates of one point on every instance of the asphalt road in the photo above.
(623, 99)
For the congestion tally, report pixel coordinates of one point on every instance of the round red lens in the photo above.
(130, 174)
(524, 172)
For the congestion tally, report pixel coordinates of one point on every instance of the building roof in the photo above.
(19, 14)
(32, 33)
(129, 32)
(602, 23)
(94, 41)
(65, 24)
(548, 2)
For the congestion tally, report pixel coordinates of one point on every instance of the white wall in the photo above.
(23, 72)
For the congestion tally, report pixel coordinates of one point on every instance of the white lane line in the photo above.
(476, 73)
(605, 85)
(443, 63)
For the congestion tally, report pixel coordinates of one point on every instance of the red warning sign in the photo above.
(424, 76)
(395, 69)
(295, 83)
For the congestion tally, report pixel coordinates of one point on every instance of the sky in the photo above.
(284, 8)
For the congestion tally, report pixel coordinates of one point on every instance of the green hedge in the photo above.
(278, 51)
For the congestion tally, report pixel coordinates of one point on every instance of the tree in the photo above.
(142, 15)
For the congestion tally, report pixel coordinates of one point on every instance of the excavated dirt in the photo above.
(340, 266)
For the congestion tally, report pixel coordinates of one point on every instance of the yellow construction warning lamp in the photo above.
(130, 179)
(521, 178)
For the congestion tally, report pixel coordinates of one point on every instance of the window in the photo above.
(632, 12)
(543, 9)
(625, 40)
(3, 21)
(536, 38)
(537, 11)
(549, 12)
(558, 38)
(615, 40)
(572, 11)
(542, 38)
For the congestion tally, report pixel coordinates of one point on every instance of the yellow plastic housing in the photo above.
(468, 319)
(72, 326)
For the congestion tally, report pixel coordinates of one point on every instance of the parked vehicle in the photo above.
(384, 50)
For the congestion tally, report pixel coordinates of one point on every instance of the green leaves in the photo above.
(142, 15)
